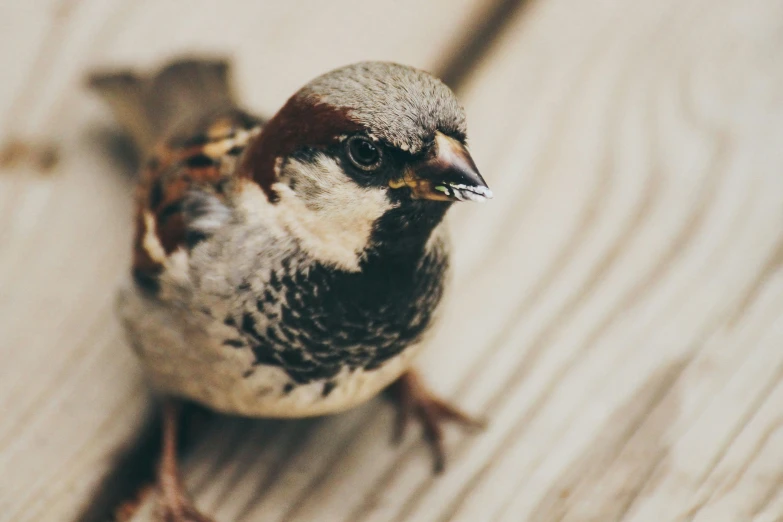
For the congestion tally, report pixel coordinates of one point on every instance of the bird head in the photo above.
(372, 142)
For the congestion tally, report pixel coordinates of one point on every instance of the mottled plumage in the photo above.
(290, 267)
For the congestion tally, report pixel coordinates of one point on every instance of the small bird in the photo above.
(290, 267)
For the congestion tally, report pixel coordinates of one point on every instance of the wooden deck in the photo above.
(619, 308)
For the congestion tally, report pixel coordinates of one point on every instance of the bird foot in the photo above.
(174, 504)
(414, 399)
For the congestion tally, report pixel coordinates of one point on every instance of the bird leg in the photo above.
(175, 504)
(415, 399)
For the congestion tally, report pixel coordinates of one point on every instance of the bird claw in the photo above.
(414, 399)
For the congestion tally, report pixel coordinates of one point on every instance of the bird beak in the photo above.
(447, 174)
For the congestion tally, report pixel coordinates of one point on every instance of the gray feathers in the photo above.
(398, 104)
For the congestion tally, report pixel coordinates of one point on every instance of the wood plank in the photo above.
(617, 303)
(71, 393)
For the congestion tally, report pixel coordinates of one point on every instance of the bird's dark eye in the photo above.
(363, 153)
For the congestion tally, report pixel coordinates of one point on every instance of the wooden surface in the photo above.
(618, 308)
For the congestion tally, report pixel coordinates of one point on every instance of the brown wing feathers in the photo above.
(184, 120)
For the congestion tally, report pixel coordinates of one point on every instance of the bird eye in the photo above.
(363, 153)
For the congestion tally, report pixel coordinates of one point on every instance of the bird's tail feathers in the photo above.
(149, 107)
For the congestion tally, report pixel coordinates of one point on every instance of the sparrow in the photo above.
(293, 266)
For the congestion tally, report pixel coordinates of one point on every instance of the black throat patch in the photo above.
(316, 322)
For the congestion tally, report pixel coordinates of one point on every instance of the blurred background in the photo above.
(617, 312)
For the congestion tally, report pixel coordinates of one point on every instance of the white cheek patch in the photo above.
(329, 213)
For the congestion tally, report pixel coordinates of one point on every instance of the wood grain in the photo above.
(71, 393)
(617, 312)
(618, 303)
